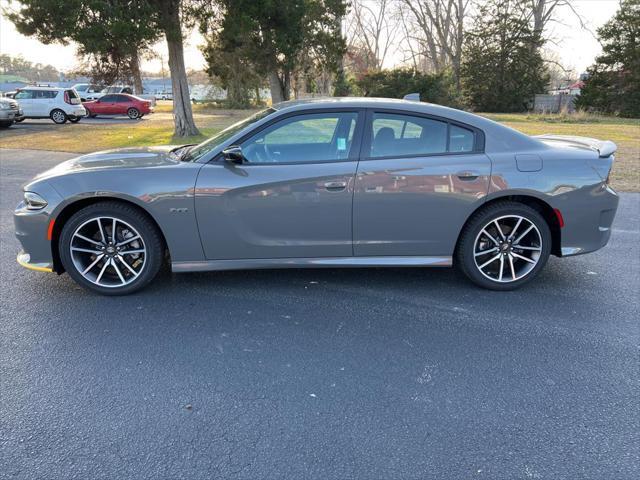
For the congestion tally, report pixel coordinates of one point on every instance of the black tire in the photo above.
(19, 120)
(74, 119)
(5, 124)
(151, 238)
(58, 116)
(133, 113)
(466, 248)
(90, 114)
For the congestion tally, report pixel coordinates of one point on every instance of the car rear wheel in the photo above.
(58, 116)
(74, 119)
(133, 113)
(111, 248)
(5, 124)
(504, 246)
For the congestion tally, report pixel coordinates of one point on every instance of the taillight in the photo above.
(66, 98)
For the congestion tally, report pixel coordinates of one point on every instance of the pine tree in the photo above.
(503, 68)
(613, 85)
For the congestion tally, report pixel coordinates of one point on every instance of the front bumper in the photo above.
(33, 230)
(11, 115)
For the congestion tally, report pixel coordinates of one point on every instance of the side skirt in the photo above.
(332, 262)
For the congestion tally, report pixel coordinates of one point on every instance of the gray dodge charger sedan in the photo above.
(324, 183)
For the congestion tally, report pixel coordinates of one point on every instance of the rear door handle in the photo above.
(335, 186)
(467, 175)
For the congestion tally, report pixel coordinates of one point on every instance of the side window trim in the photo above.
(354, 151)
(365, 146)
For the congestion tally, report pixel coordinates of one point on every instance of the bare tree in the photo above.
(371, 29)
(434, 30)
(542, 13)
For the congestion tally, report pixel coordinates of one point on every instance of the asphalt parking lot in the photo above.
(383, 373)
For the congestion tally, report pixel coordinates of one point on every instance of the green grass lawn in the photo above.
(157, 129)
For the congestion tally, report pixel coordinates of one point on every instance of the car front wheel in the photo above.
(133, 113)
(58, 116)
(504, 246)
(111, 248)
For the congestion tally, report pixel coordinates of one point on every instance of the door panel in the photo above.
(275, 211)
(43, 102)
(416, 206)
(293, 195)
(420, 179)
(107, 105)
(25, 100)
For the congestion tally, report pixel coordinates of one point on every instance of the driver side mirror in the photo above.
(233, 154)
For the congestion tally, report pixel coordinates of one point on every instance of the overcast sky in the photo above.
(575, 46)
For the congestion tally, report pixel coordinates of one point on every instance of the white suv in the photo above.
(58, 104)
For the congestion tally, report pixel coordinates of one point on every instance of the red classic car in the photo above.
(119, 104)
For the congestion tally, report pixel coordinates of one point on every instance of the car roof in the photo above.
(382, 103)
(41, 87)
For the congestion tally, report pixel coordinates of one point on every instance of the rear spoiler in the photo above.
(604, 148)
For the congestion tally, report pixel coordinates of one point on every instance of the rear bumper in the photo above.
(77, 112)
(588, 223)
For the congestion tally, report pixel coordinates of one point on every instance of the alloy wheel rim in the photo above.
(507, 248)
(133, 113)
(108, 252)
(58, 116)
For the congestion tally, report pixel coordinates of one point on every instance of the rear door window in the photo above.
(395, 134)
(45, 94)
(461, 139)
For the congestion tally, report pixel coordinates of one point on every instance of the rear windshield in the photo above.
(72, 94)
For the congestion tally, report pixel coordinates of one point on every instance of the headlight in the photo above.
(34, 201)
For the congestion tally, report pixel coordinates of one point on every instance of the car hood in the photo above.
(143, 157)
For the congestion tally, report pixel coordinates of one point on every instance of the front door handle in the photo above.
(335, 186)
(467, 175)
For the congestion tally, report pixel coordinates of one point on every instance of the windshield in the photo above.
(208, 145)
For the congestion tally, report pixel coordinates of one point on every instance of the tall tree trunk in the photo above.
(136, 74)
(286, 87)
(277, 89)
(182, 113)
